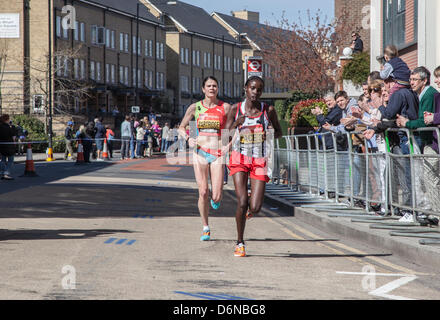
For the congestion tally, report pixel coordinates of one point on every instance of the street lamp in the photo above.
(49, 98)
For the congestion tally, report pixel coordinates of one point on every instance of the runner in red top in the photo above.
(251, 120)
(210, 115)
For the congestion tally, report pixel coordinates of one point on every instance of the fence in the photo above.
(404, 178)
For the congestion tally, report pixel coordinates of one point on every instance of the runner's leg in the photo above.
(201, 171)
(240, 183)
(258, 188)
(217, 173)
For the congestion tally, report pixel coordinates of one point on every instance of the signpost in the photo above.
(254, 67)
(135, 109)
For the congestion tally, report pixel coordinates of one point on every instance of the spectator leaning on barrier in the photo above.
(7, 147)
(333, 117)
(434, 118)
(68, 137)
(420, 84)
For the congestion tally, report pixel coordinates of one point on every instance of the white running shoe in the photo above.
(408, 217)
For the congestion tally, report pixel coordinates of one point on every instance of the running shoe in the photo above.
(206, 236)
(249, 215)
(240, 250)
(215, 205)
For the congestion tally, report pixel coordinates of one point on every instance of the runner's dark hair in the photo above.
(253, 78)
(209, 78)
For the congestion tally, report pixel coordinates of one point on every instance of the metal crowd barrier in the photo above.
(393, 180)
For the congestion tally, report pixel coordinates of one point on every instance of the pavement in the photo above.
(409, 241)
(130, 230)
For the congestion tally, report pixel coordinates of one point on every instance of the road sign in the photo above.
(135, 109)
(254, 67)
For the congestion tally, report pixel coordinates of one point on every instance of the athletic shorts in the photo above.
(256, 167)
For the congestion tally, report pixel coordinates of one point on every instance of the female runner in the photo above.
(210, 115)
(249, 157)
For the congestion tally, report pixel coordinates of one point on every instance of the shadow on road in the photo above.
(66, 234)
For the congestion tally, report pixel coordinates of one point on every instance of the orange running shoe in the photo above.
(249, 215)
(206, 236)
(240, 250)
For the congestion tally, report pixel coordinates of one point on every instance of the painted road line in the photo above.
(110, 240)
(195, 295)
(224, 296)
(129, 243)
(121, 241)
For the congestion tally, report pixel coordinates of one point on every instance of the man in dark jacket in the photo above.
(69, 136)
(7, 147)
(333, 118)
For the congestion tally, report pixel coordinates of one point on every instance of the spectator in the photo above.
(110, 136)
(333, 117)
(357, 45)
(344, 103)
(170, 137)
(99, 138)
(434, 118)
(395, 68)
(140, 133)
(164, 140)
(86, 142)
(132, 137)
(404, 102)
(7, 147)
(431, 161)
(68, 136)
(374, 75)
(420, 84)
(90, 138)
(149, 134)
(126, 135)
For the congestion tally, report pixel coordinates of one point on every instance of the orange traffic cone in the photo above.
(80, 155)
(29, 170)
(105, 151)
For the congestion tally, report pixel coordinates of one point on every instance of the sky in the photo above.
(270, 10)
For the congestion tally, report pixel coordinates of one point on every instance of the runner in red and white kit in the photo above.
(248, 158)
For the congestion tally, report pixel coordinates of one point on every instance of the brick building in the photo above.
(245, 25)
(411, 25)
(198, 46)
(358, 13)
(98, 49)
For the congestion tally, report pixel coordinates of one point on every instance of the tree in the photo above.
(305, 56)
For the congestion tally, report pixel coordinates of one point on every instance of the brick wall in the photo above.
(356, 17)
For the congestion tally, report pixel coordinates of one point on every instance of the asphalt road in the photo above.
(130, 230)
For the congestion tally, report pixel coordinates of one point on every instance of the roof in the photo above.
(193, 19)
(128, 7)
(256, 32)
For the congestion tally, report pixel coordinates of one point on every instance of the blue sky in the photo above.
(270, 10)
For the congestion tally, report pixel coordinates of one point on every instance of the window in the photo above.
(182, 55)
(82, 32)
(160, 85)
(83, 69)
(121, 42)
(76, 31)
(126, 44)
(206, 59)
(121, 74)
(186, 55)
(148, 79)
(98, 71)
(112, 39)
(126, 76)
(76, 68)
(394, 23)
(92, 70)
(184, 84)
(107, 73)
(58, 26)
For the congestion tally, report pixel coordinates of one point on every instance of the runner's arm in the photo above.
(189, 115)
(273, 117)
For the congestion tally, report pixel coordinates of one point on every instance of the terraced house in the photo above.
(245, 25)
(104, 54)
(197, 46)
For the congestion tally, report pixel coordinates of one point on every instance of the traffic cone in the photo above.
(50, 155)
(105, 151)
(29, 170)
(80, 155)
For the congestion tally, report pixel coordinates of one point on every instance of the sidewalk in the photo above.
(402, 239)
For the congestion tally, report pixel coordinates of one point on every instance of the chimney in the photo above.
(247, 15)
